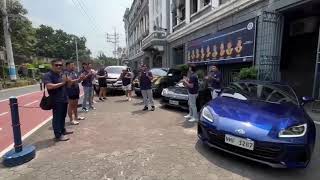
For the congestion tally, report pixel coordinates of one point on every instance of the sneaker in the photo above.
(152, 108)
(187, 116)
(129, 99)
(145, 108)
(84, 110)
(62, 138)
(74, 122)
(193, 120)
(101, 99)
(92, 108)
(67, 132)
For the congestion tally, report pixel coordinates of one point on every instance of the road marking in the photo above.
(21, 96)
(2, 114)
(26, 136)
(31, 103)
(5, 90)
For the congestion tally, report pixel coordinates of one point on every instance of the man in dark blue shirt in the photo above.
(55, 83)
(146, 89)
(192, 83)
(215, 79)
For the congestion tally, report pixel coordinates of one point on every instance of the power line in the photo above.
(81, 2)
(85, 14)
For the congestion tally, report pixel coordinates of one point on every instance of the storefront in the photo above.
(230, 49)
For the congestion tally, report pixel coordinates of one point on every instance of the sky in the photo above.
(105, 17)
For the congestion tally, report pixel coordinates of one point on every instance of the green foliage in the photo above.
(106, 61)
(43, 41)
(248, 74)
(184, 68)
(200, 74)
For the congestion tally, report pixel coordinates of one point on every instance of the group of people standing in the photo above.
(64, 91)
(192, 83)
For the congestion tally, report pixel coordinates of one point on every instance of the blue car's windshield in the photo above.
(261, 92)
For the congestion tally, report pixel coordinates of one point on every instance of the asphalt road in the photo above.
(6, 93)
(119, 141)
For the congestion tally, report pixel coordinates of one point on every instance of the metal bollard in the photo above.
(19, 155)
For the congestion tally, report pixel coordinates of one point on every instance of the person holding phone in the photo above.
(88, 76)
(56, 82)
(102, 80)
(146, 89)
(192, 83)
(215, 80)
(126, 77)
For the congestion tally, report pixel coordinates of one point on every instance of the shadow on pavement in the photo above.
(187, 124)
(121, 101)
(44, 144)
(138, 104)
(250, 169)
(139, 112)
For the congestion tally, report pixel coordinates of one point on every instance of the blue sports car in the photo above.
(260, 121)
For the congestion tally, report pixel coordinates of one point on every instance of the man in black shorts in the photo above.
(73, 92)
(102, 79)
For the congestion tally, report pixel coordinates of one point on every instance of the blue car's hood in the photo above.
(259, 120)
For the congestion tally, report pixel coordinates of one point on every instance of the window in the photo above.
(260, 92)
(194, 6)
(206, 2)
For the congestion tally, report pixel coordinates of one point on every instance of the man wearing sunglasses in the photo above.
(55, 83)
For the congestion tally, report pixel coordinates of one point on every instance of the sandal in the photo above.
(81, 118)
(74, 122)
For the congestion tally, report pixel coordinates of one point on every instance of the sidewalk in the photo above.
(118, 141)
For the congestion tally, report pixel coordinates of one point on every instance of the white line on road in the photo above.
(21, 96)
(2, 114)
(26, 135)
(31, 103)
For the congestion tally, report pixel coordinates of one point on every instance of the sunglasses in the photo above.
(58, 65)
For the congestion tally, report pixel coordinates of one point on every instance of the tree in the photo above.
(22, 32)
(59, 44)
(106, 61)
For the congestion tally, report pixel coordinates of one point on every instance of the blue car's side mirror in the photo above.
(306, 99)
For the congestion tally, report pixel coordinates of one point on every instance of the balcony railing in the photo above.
(154, 37)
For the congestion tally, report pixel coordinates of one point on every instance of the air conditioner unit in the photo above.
(303, 26)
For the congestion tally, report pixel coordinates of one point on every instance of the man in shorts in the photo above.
(73, 92)
(126, 78)
(102, 80)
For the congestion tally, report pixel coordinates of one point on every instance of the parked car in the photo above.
(157, 86)
(260, 121)
(114, 73)
(177, 96)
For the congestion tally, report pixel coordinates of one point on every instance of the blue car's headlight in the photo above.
(294, 131)
(208, 114)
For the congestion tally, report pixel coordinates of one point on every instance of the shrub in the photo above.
(184, 68)
(200, 74)
(248, 74)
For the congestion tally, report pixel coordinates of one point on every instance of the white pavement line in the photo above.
(6, 90)
(31, 103)
(21, 95)
(2, 114)
(26, 135)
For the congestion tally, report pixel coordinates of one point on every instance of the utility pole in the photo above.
(114, 39)
(7, 37)
(77, 55)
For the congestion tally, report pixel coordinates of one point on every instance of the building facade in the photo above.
(280, 38)
(146, 25)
